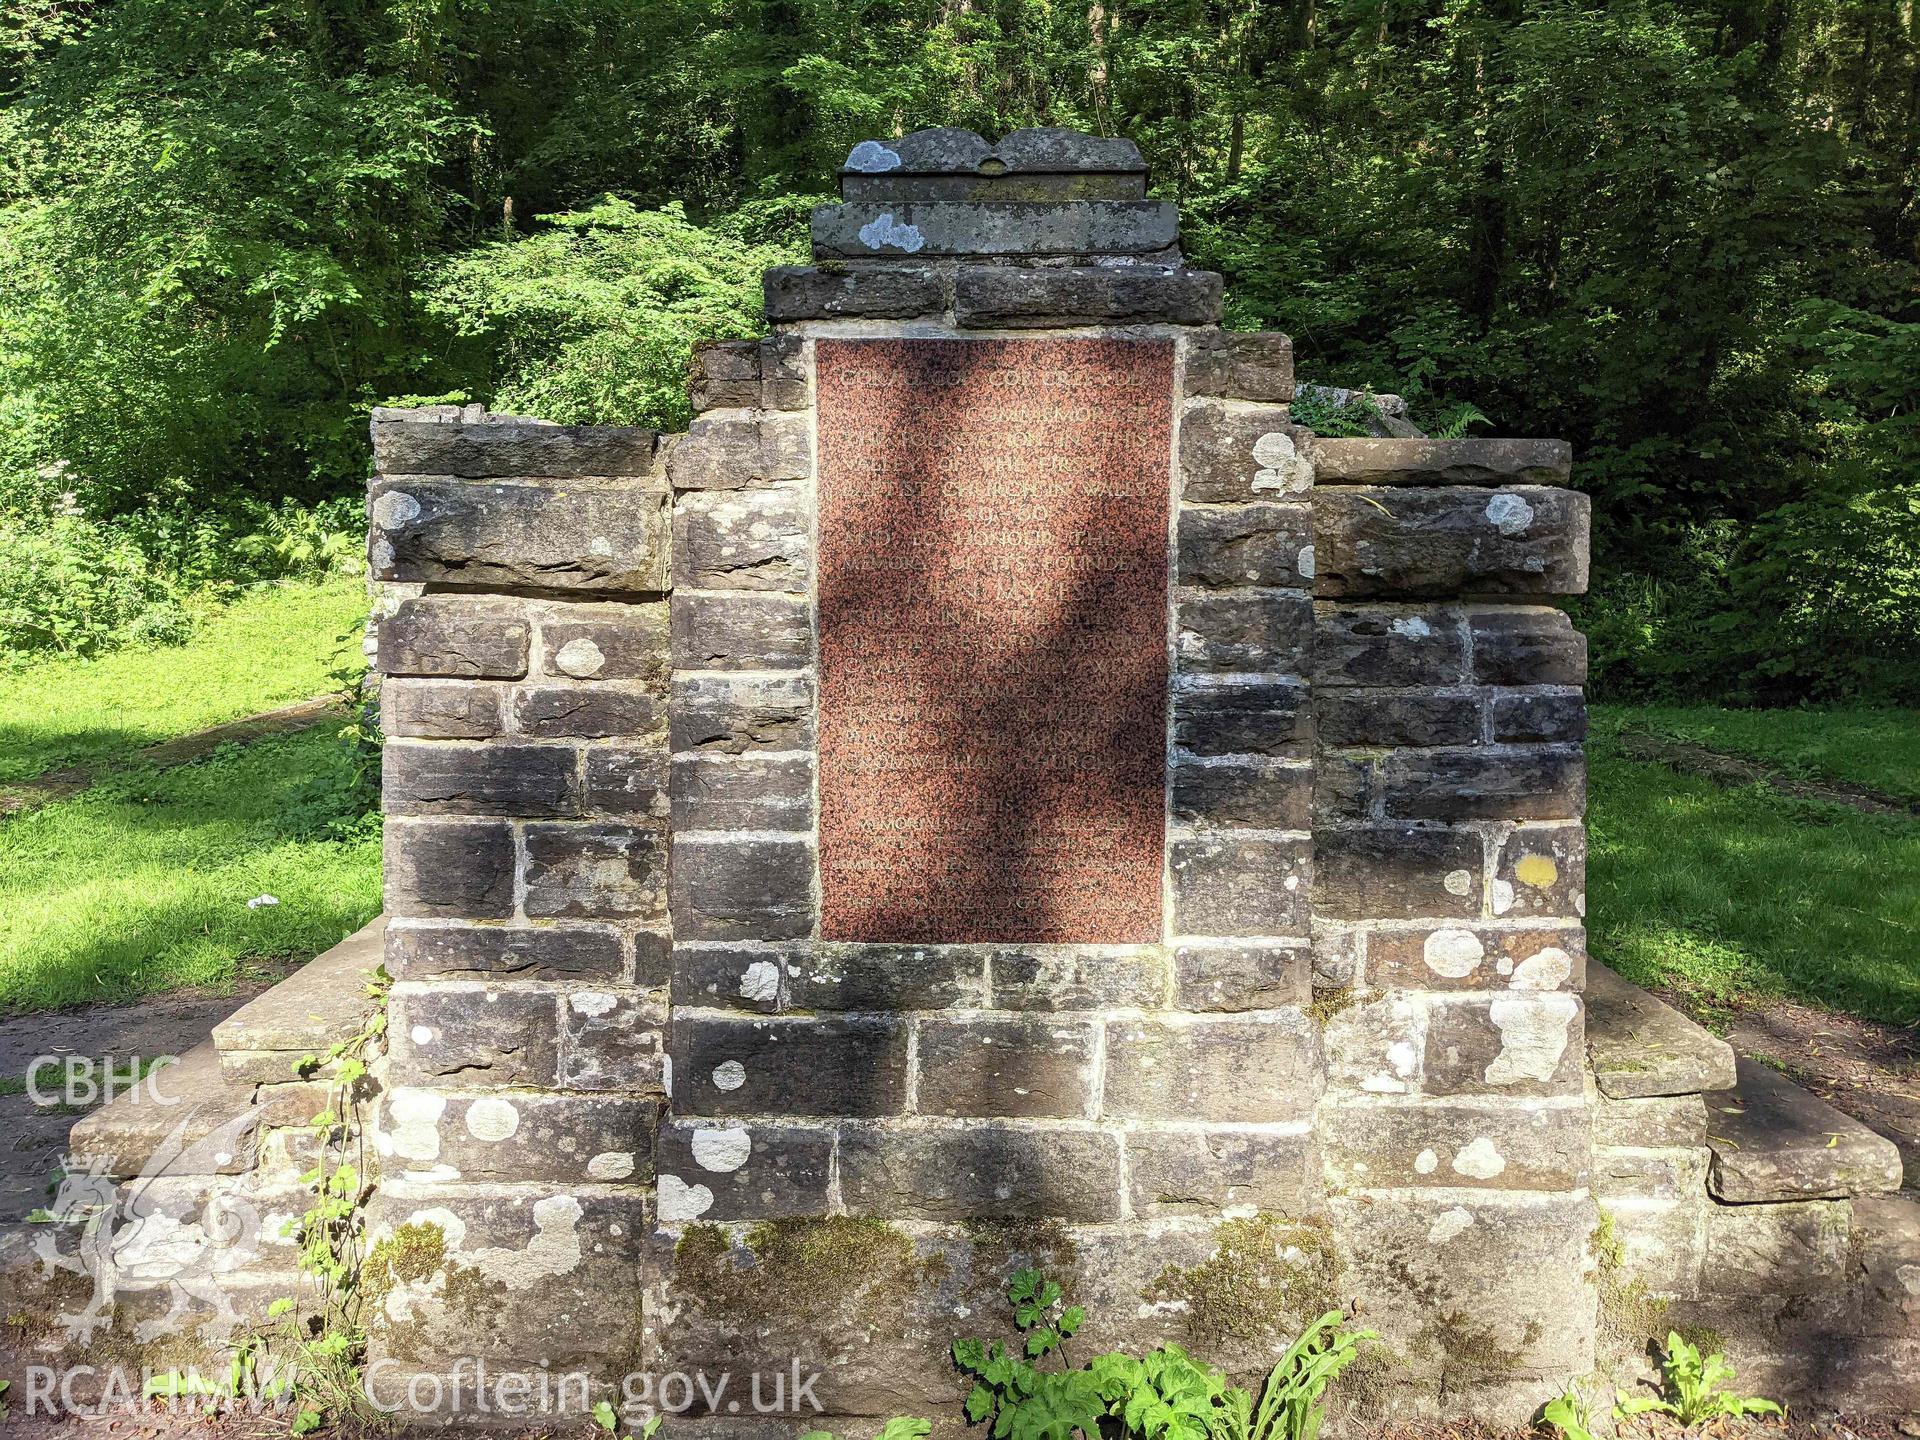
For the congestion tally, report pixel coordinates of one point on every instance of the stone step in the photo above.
(1772, 1140)
(316, 1006)
(1640, 1046)
(191, 1118)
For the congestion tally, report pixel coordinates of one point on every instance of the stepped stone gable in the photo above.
(997, 791)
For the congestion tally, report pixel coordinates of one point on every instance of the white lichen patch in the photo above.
(1457, 882)
(1426, 1162)
(1479, 1160)
(611, 1165)
(395, 510)
(729, 1075)
(761, 982)
(1546, 969)
(1282, 467)
(1509, 513)
(723, 1148)
(421, 1034)
(592, 1003)
(1533, 1036)
(883, 232)
(580, 658)
(492, 1119)
(554, 1249)
(1455, 954)
(1303, 562)
(1502, 896)
(413, 1124)
(870, 157)
(1449, 1223)
(1411, 627)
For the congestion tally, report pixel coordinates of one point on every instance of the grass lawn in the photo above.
(1735, 894)
(270, 649)
(141, 884)
(1879, 749)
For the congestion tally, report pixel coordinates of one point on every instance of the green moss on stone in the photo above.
(1266, 1276)
(795, 1269)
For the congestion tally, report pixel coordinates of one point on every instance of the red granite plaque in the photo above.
(993, 638)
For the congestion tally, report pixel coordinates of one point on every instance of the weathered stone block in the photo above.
(1477, 957)
(1213, 1068)
(1538, 715)
(505, 445)
(1448, 541)
(734, 714)
(734, 977)
(1265, 794)
(1525, 1043)
(520, 1137)
(1069, 978)
(1397, 717)
(589, 712)
(1498, 1146)
(741, 632)
(743, 889)
(721, 1172)
(783, 373)
(457, 778)
(1773, 1140)
(1241, 365)
(950, 1173)
(800, 1065)
(595, 871)
(628, 781)
(731, 450)
(473, 1038)
(1542, 869)
(606, 642)
(455, 869)
(1232, 885)
(1659, 1122)
(990, 296)
(1257, 544)
(1383, 645)
(613, 1040)
(1492, 782)
(1770, 1250)
(880, 978)
(1527, 645)
(1231, 453)
(1205, 1170)
(1238, 716)
(441, 709)
(480, 952)
(867, 230)
(724, 374)
(1242, 977)
(1019, 1068)
(1641, 1046)
(806, 292)
(606, 538)
(742, 792)
(742, 539)
(1257, 632)
(1887, 1230)
(1392, 872)
(1345, 785)
(1364, 460)
(1649, 1177)
(461, 635)
(1477, 1266)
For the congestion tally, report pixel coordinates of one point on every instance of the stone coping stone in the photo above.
(506, 447)
(311, 1009)
(1642, 1046)
(194, 1119)
(951, 150)
(1369, 460)
(922, 229)
(1772, 1141)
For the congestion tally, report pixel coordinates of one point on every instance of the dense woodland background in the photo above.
(1682, 235)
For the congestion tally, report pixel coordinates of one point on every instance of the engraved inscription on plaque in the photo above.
(993, 638)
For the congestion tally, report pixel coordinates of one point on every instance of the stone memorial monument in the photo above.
(997, 791)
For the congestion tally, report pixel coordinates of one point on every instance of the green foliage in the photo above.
(898, 1428)
(1694, 1389)
(608, 1419)
(1023, 1401)
(1570, 1415)
(594, 318)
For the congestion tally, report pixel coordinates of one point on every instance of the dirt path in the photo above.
(53, 785)
(1732, 770)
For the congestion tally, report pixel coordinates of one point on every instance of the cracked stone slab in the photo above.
(1772, 1140)
(867, 230)
(1642, 1046)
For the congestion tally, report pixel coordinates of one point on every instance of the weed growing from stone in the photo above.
(1694, 1389)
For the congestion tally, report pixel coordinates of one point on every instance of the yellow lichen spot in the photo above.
(1538, 871)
